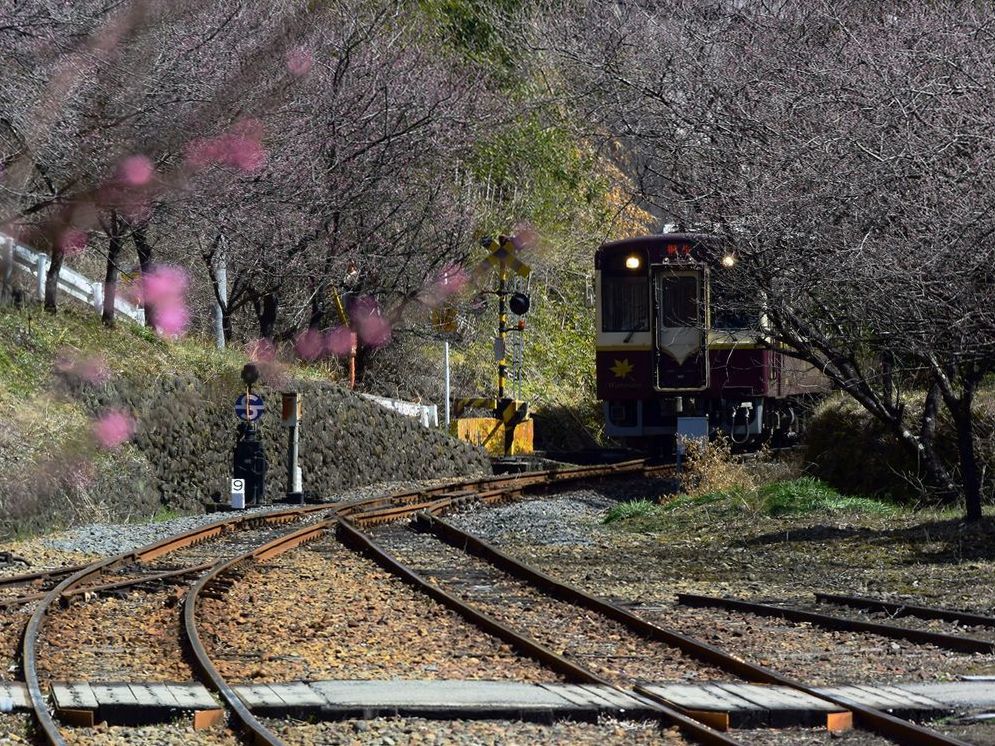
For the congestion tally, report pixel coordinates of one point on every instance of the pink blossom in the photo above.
(525, 237)
(260, 350)
(450, 280)
(135, 170)
(113, 428)
(340, 341)
(299, 61)
(309, 344)
(73, 241)
(240, 148)
(372, 327)
(92, 369)
(164, 284)
(171, 319)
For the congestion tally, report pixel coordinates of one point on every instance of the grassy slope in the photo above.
(47, 451)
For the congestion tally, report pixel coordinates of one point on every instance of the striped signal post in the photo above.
(502, 258)
(508, 413)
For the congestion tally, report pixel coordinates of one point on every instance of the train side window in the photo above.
(624, 304)
(731, 311)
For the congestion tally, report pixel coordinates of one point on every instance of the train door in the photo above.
(680, 328)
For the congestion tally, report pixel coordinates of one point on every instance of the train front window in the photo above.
(624, 304)
(678, 300)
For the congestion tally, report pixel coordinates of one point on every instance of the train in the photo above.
(680, 352)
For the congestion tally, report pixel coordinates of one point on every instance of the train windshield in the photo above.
(625, 304)
(678, 304)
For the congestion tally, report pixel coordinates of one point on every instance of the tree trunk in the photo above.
(52, 280)
(144, 251)
(111, 274)
(266, 310)
(937, 474)
(970, 476)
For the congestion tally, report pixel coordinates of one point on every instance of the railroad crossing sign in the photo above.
(249, 407)
(502, 256)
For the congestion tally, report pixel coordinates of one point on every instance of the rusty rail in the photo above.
(29, 644)
(875, 720)
(902, 609)
(351, 536)
(104, 587)
(920, 637)
(260, 733)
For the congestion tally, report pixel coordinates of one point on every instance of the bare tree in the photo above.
(845, 151)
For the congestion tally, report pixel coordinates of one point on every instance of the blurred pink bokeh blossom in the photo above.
(373, 329)
(135, 170)
(113, 428)
(340, 341)
(73, 242)
(241, 148)
(171, 320)
(260, 350)
(300, 61)
(309, 344)
(450, 280)
(92, 369)
(164, 284)
(164, 289)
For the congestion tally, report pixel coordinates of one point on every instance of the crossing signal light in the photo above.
(519, 304)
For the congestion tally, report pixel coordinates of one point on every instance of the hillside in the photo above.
(119, 424)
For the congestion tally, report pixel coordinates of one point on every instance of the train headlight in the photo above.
(632, 262)
(729, 261)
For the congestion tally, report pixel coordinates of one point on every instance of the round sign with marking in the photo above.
(249, 407)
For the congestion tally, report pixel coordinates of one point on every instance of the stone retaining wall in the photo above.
(186, 430)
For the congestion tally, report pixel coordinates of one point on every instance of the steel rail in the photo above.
(30, 577)
(260, 733)
(875, 720)
(921, 637)
(351, 536)
(29, 643)
(496, 483)
(104, 587)
(903, 609)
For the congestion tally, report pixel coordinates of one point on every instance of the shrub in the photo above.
(854, 452)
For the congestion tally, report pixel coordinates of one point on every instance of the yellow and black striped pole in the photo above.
(502, 347)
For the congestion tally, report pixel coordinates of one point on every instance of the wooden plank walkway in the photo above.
(746, 705)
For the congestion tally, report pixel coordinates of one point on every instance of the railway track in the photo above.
(944, 640)
(352, 523)
(76, 581)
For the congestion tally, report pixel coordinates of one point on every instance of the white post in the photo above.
(8, 265)
(41, 276)
(221, 272)
(97, 295)
(445, 356)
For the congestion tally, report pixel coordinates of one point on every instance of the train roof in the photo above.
(639, 242)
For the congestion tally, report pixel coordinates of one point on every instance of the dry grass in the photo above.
(709, 466)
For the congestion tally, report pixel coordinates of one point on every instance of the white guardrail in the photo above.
(18, 256)
(34, 263)
(427, 414)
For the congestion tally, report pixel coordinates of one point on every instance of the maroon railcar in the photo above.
(671, 359)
